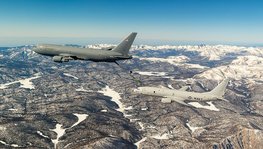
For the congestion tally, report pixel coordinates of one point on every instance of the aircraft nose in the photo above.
(137, 90)
(34, 49)
(37, 48)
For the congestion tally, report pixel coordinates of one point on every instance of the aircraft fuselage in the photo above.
(96, 55)
(62, 53)
(165, 92)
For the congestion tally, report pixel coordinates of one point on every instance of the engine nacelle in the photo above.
(58, 59)
(166, 100)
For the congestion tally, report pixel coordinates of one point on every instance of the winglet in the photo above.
(125, 45)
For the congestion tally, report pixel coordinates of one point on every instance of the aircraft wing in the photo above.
(69, 56)
(184, 88)
(176, 99)
(182, 102)
(65, 54)
(64, 57)
(224, 99)
(108, 48)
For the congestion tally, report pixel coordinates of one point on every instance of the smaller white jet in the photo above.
(182, 95)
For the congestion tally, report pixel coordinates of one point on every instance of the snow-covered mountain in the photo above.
(182, 61)
(24, 52)
(111, 112)
(100, 46)
(245, 62)
(241, 62)
(212, 52)
(244, 67)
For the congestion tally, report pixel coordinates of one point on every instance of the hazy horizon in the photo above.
(21, 41)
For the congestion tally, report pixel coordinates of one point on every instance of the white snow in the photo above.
(41, 134)
(256, 131)
(212, 52)
(25, 83)
(157, 74)
(134, 120)
(244, 67)
(175, 60)
(192, 128)
(128, 108)
(2, 142)
(211, 106)
(128, 115)
(144, 109)
(81, 117)
(141, 125)
(81, 89)
(61, 131)
(12, 145)
(148, 73)
(13, 55)
(54, 67)
(67, 145)
(164, 136)
(104, 110)
(151, 127)
(139, 142)
(69, 75)
(115, 97)
(100, 46)
(2, 128)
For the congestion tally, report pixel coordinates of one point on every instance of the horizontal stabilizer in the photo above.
(224, 99)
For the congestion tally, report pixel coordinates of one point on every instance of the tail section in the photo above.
(221, 88)
(125, 45)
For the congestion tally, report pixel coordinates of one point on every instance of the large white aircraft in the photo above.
(182, 95)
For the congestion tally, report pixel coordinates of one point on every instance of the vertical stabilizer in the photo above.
(125, 45)
(221, 88)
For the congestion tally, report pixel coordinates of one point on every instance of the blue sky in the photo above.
(108, 21)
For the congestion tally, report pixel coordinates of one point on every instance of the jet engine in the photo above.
(58, 59)
(166, 100)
